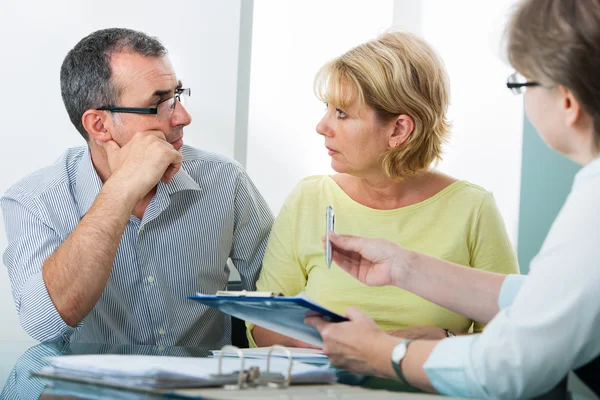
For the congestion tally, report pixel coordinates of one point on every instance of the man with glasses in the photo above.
(106, 244)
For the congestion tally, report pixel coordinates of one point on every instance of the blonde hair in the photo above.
(397, 73)
(557, 42)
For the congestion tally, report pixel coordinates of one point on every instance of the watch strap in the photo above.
(396, 366)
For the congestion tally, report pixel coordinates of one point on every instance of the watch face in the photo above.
(399, 351)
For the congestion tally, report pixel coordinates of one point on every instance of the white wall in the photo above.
(293, 39)
(485, 147)
(35, 35)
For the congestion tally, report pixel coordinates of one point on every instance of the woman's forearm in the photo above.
(412, 364)
(379, 359)
(264, 337)
(464, 290)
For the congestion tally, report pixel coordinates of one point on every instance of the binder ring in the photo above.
(241, 375)
(288, 377)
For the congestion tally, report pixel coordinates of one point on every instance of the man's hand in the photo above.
(142, 162)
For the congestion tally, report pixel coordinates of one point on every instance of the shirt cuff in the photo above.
(447, 366)
(38, 315)
(510, 288)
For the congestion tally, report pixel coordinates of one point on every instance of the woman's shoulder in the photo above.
(466, 191)
(311, 187)
(463, 196)
(315, 180)
(312, 184)
(469, 189)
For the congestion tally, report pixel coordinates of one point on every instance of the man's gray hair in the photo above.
(85, 75)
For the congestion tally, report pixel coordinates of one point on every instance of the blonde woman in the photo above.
(540, 326)
(384, 126)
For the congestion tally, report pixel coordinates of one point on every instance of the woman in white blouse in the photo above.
(541, 326)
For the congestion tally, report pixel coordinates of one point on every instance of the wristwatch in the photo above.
(398, 354)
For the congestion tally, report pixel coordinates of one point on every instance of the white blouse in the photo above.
(549, 321)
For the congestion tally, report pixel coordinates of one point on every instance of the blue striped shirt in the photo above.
(211, 211)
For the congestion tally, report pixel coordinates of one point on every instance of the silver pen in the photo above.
(330, 224)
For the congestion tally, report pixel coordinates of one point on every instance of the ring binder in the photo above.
(253, 377)
(184, 377)
(242, 376)
(288, 377)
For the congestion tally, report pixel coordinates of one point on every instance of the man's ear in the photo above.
(404, 125)
(95, 123)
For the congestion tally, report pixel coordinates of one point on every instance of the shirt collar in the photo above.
(180, 182)
(588, 172)
(88, 183)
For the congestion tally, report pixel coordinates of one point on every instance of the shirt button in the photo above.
(150, 279)
(141, 228)
(161, 332)
(161, 348)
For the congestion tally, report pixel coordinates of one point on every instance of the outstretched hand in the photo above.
(374, 262)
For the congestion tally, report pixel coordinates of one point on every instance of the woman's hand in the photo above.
(374, 262)
(357, 345)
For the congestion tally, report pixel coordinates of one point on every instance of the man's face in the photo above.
(145, 82)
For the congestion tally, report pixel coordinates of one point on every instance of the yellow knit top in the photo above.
(460, 224)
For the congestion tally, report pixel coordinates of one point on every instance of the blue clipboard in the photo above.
(284, 315)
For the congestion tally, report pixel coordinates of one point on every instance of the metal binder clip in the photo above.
(277, 380)
(246, 293)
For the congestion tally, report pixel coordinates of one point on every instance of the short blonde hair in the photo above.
(397, 73)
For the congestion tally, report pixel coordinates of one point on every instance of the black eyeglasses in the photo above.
(163, 110)
(516, 82)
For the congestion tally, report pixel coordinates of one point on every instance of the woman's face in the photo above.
(355, 139)
(544, 108)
